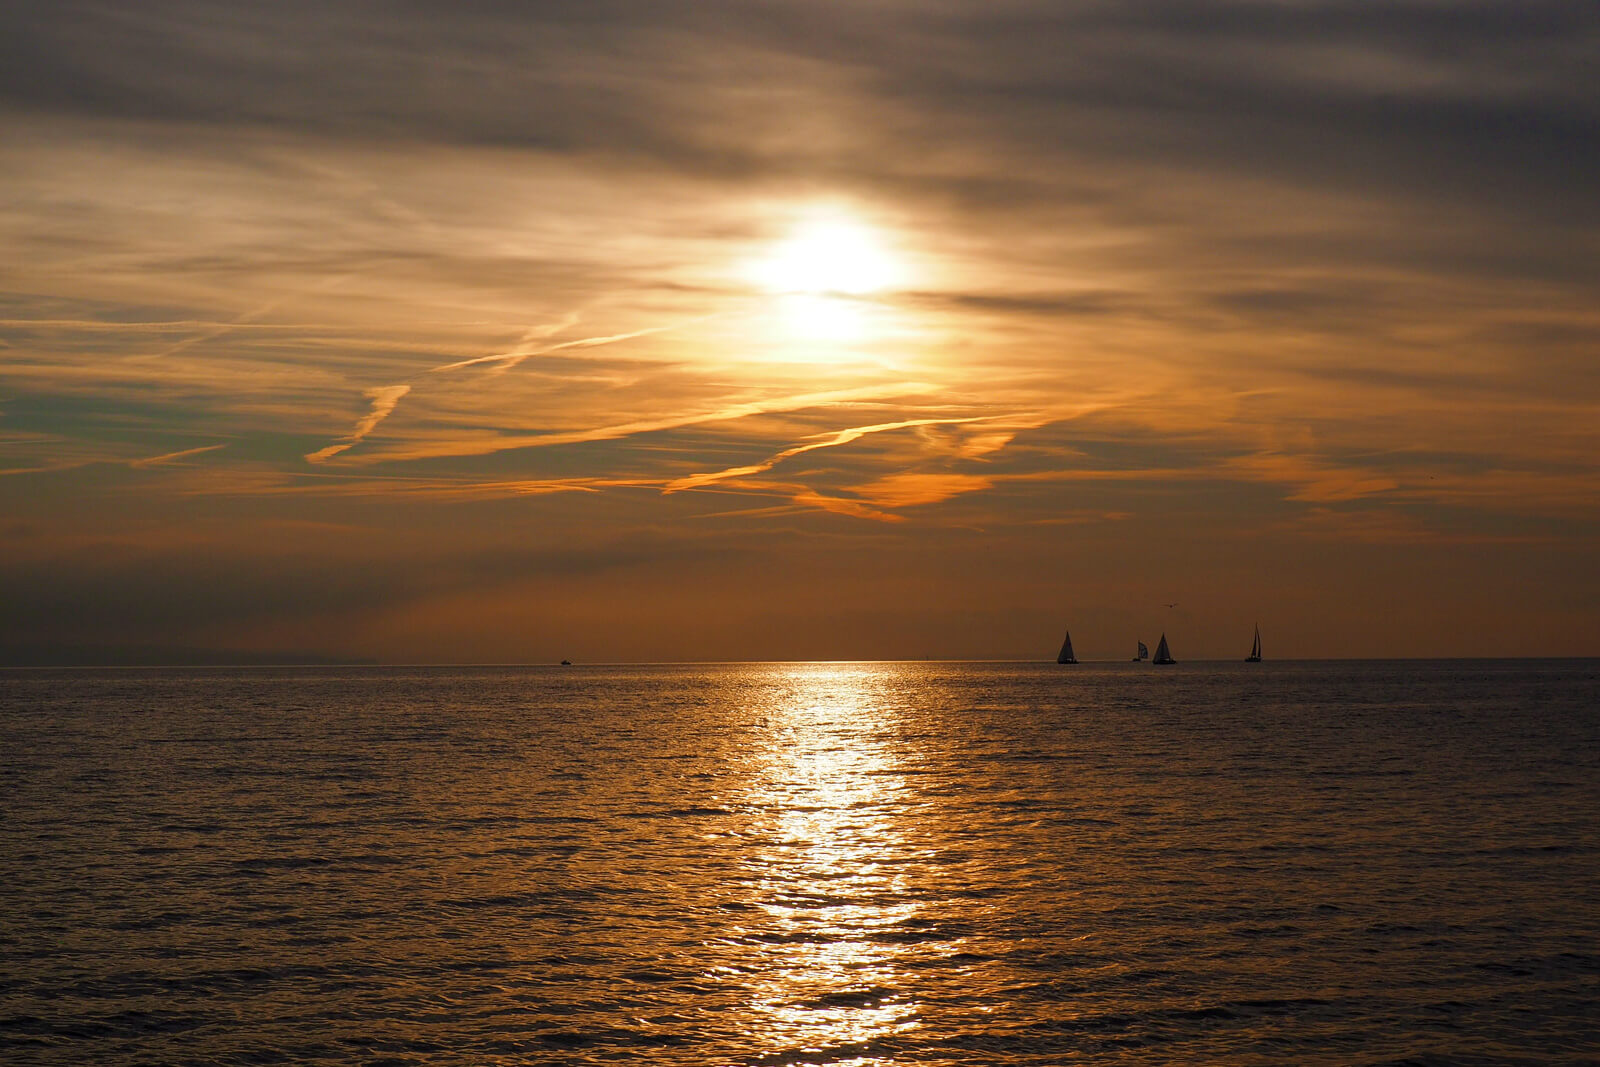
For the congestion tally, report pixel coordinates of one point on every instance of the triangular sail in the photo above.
(1163, 655)
(1255, 647)
(1144, 652)
(1066, 655)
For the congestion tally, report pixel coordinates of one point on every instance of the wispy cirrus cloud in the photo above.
(1312, 479)
(528, 345)
(915, 488)
(458, 446)
(168, 457)
(833, 440)
(384, 399)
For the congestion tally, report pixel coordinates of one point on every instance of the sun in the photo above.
(827, 254)
(823, 279)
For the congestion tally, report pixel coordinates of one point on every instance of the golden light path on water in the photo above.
(833, 878)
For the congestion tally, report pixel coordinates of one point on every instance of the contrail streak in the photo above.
(522, 350)
(384, 398)
(674, 422)
(841, 437)
(242, 321)
(518, 352)
(153, 461)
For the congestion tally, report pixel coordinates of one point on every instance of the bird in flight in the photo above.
(1173, 604)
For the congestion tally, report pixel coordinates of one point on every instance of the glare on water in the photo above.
(832, 872)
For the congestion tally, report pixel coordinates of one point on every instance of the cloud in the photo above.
(855, 509)
(833, 440)
(1402, 528)
(384, 398)
(1335, 94)
(387, 397)
(910, 488)
(458, 446)
(527, 345)
(265, 483)
(1313, 480)
(167, 457)
(211, 333)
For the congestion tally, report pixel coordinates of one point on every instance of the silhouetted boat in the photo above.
(1144, 653)
(1162, 655)
(566, 663)
(1066, 655)
(1255, 649)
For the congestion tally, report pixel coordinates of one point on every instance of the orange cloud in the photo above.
(841, 506)
(1317, 482)
(154, 461)
(911, 489)
(840, 437)
(384, 398)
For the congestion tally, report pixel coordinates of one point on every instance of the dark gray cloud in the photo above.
(1498, 103)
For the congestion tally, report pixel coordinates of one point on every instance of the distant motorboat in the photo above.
(1144, 653)
(1255, 649)
(1163, 656)
(566, 663)
(1066, 655)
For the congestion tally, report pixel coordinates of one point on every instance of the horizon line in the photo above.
(370, 665)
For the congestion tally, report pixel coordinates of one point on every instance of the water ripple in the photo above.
(802, 864)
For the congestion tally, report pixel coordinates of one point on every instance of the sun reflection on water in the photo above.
(829, 879)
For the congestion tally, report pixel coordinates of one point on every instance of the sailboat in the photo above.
(1144, 653)
(1255, 649)
(1066, 655)
(1162, 655)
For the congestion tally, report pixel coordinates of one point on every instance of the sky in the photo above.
(614, 330)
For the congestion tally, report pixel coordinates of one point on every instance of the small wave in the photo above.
(848, 998)
(281, 863)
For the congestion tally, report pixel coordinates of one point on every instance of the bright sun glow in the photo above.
(822, 278)
(830, 254)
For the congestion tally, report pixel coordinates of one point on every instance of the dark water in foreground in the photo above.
(1322, 863)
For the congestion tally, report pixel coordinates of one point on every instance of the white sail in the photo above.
(1066, 655)
(1162, 654)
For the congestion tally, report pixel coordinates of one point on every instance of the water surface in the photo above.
(886, 863)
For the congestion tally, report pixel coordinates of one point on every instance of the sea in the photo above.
(1392, 862)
